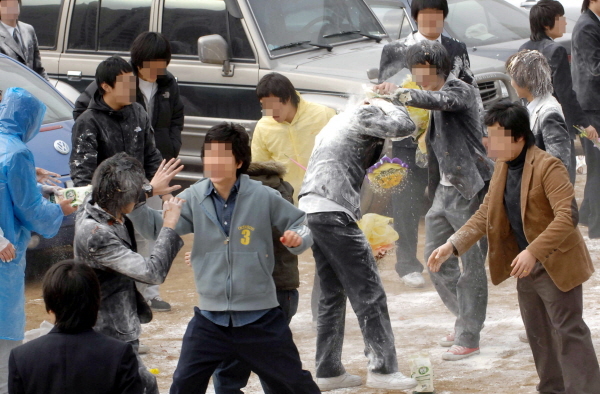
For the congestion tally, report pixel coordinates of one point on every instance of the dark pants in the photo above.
(559, 338)
(463, 292)
(589, 213)
(266, 346)
(232, 375)
(149, 380)
(573, 160)
(347, 269)
(409, 204)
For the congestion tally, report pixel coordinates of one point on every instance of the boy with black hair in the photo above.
(287, 132)
(104, 239)
(66, 360)
(350, 143)
(112, 123)
(238, 315)
(585, 70)
(530, 217)
(156, 90)
(459, 171)
(547, 23)
(410, 204)
(530, 77)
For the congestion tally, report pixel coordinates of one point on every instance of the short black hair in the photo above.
(150, 46)
(543, 16)
(511, 116)
(279, 86)
(236, 135)
(429, 52)
(418, 5)
(117, 182)
(71, 290)
(108, 70)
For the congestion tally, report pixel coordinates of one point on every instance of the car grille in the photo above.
(488, 91)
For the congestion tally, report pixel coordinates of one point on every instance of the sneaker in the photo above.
(581, 167)
(339, 382)
(414, 279)
(523, 337)
(143, 349)
(390, 381)
(158, 305)
(459, 352)
(448, 340)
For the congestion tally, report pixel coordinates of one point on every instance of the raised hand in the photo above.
(164, 175)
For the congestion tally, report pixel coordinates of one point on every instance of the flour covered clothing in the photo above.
(349, 144)
(22, 207)
(109, 247)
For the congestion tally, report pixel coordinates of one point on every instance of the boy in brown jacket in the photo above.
(530, 218)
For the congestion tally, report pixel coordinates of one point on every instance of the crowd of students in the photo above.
(519, 211)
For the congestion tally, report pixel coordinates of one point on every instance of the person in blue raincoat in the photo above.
(22, 210)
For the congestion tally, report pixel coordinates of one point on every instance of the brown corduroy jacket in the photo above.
(550, 218)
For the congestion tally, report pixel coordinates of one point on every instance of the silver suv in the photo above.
(221, 49)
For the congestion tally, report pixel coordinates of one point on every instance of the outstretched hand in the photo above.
(291, 239)
(164, 175)
(385, 88)
(46, 177)
(439, 256)
(172, 211)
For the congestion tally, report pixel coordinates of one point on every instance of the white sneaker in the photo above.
(391, 381)
(414, 279)
(339, 382)
(523, 337)
(143, 349)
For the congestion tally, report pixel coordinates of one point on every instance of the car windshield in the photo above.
(289, 26)
(485, 22)
(13, 75)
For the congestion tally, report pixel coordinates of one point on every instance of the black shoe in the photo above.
(158, 305)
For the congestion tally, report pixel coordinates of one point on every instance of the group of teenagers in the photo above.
(297, 185)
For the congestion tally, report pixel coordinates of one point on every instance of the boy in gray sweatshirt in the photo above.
(238, 316)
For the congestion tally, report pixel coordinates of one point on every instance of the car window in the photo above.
(323, 22)
(13, 75)
(394, 20)
(119, 23)
(44, 16)
(485, 22)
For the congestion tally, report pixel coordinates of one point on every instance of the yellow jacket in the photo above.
(281, 141)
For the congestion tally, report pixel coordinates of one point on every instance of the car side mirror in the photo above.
(213, 49)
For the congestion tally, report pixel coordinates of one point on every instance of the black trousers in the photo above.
(347, 270)
(232, 375)
(560, 340)
(409, 205)
(266, 346)
(589, 213)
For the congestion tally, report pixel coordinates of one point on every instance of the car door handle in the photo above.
(74, 75)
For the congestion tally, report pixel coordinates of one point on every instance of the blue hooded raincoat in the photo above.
(22, 207)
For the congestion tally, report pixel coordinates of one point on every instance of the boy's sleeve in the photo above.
(109, 251)
(454, 97)
(259, 150)
(393, 59)
(285, 216)
(383, 119)
(556, 137)
(84, 154)
(128, 379)
(31, 209)
(149, 221)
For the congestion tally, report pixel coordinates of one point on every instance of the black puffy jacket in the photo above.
(167, 116)
(101, 132)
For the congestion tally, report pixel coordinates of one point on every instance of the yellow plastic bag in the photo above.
(379, 232)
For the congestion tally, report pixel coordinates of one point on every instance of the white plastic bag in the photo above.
(44, 329)
(422, 371)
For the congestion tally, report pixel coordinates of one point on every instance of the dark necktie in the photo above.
(18, 40)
